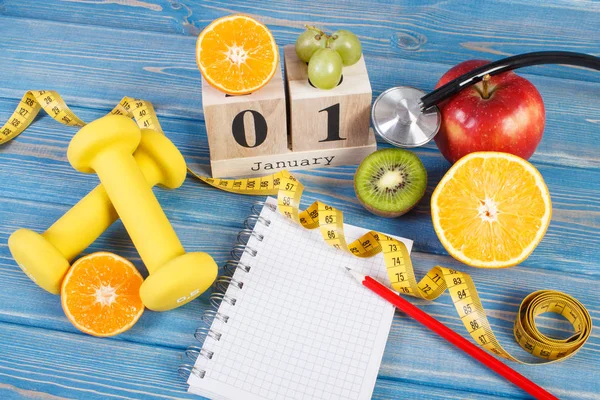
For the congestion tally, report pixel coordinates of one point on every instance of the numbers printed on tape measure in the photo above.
(35, 100)
(397, 260)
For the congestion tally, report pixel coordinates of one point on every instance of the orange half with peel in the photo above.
(100, 294)
(237, 54)
(491, 209)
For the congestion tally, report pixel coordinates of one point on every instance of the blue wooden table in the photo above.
(94, 52)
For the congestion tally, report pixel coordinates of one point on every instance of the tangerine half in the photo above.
(237, 54)
(100, 294)
(491, 209)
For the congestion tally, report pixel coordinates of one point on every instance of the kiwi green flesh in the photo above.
(390, 182)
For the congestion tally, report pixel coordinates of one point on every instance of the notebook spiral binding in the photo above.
(220, 286)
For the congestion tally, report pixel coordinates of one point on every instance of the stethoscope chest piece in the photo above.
(398, 118)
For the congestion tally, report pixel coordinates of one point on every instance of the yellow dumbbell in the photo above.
(45, 258)
(105, 146)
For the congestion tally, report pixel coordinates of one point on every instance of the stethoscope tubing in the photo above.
(507, 64)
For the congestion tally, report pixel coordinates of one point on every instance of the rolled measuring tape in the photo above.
(330, 221)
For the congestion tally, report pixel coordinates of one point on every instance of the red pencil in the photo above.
(477, 353)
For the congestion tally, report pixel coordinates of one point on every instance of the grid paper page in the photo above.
(301, 326)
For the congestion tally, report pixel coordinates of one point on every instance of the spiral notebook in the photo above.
(290, 323)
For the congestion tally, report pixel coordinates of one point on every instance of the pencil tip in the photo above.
(359, 277)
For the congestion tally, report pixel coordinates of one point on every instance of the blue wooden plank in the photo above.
(442, 32)
(79, 366)
(43, 309)
(95, 66)
(412, 350)
(40, 363)
(500, 290)
(413, 353)
(40, 154)
(98, 76)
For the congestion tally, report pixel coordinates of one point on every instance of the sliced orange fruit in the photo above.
(237, 54)
(491, 209)
(101, 294)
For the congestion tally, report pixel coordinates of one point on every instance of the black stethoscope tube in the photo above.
(507, 64)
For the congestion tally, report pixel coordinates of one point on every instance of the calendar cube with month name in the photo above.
(289, 126)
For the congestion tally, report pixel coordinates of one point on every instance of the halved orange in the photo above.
(101, 294)
(491, 209)
(237, 54)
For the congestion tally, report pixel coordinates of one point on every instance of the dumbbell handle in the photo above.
(92, 215)
(142, 215)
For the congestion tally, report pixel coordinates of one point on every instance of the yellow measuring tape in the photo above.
(34, 100)
(331, 224)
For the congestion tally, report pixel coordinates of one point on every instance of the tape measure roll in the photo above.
(330, 221)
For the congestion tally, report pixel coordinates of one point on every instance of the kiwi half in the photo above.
(390, 182)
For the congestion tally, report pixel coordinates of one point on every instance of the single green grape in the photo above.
(325, 68)
(308, 42)
(347, 45)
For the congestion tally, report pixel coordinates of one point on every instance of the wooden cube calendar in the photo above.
(248, 125)
(298, 128)
(326, 119)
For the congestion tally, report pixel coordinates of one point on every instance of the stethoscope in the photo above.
(408, 117)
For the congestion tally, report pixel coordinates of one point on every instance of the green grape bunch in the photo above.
(326, 55)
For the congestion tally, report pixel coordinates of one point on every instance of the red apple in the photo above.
(510, 117)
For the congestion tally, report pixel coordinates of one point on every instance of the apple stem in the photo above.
(486, 93)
